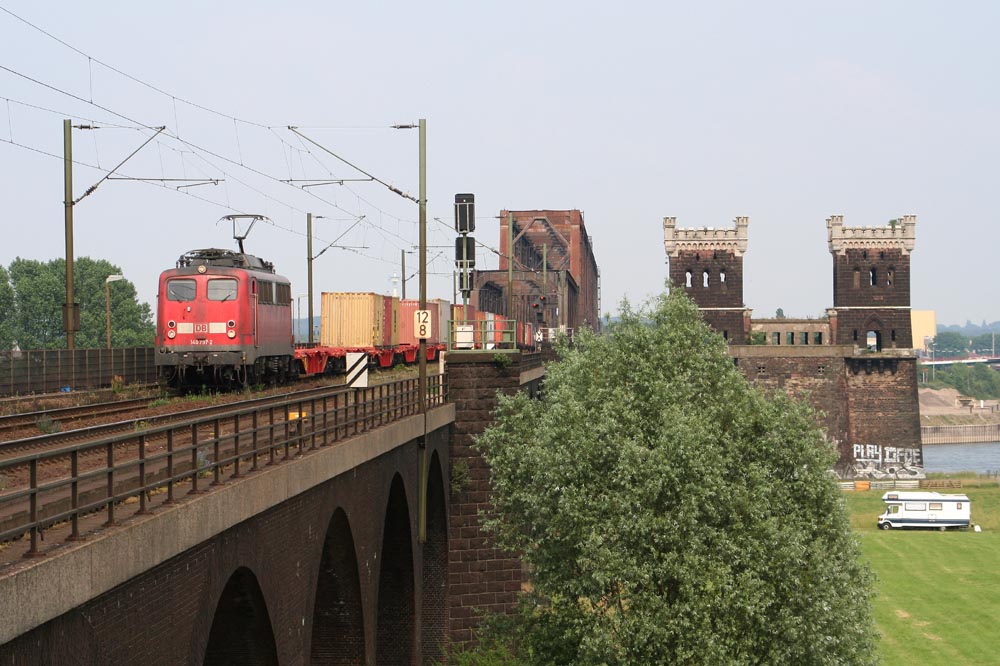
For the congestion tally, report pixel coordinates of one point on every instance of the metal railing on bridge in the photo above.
(44, 489)
(489, 331)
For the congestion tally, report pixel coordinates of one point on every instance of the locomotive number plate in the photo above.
(201, 342)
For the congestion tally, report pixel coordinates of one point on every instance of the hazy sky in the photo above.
(786, 112)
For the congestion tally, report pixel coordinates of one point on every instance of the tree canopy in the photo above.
(669, 512)
(949, 343)
(32, 294)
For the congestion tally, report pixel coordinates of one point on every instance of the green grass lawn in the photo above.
(938, 592)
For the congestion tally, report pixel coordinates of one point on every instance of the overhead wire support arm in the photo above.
(391, 188)
(191, 182)
(90, 190)
(310, 182)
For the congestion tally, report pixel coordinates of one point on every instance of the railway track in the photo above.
(55, 440)
(54, 482)
(56, 417)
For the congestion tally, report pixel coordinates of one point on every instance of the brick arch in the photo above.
(338, 635)
(395, 626)
(241, 628)
(875, 325)
(434, 597)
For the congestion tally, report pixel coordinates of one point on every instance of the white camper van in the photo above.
(924, 509)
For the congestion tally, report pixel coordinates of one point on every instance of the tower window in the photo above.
(855, 335)
(873, 277)
(687, 282)
(888, 277)
(857, 278)
(722, 276)
(704, 278)
(725, 335)
(892, 335)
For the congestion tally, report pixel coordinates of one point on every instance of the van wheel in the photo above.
(887, 526)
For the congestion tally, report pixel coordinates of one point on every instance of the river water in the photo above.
(979, 458)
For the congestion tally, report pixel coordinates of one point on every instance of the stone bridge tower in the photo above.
(871, 283)
(707, 264)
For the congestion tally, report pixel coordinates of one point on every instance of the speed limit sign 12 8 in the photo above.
(422, 324)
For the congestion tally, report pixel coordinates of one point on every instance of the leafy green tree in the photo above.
(39, 290)
(6, 310)
(976, 381)
(950, 343)
(985, 343)
(669, 512)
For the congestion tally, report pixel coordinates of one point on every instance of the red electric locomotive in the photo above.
(224, 319)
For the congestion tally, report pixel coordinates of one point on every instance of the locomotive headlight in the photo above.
(231, 333)
(231, 324)
(171, 324)
(171, 334)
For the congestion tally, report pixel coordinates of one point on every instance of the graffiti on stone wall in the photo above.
(875, 461)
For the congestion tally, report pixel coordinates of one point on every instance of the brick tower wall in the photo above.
(884, 412)
(863, 306)
(481, 578)
(866, 403)
(720, 293)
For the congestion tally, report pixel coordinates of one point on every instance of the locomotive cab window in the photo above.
(181, 290)
(222, 289)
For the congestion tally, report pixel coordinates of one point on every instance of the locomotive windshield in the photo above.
(180, 290)
(222, 290)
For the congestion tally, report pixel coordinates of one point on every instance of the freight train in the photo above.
(224, 321)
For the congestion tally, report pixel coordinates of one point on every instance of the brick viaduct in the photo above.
(317, 560)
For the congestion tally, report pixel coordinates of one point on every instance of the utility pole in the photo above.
(309, 279)
(422, 360)
(402, 273)
(69, 308)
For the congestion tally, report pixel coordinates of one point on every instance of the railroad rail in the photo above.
(65, 485)
(56, 439)
(11, 422)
